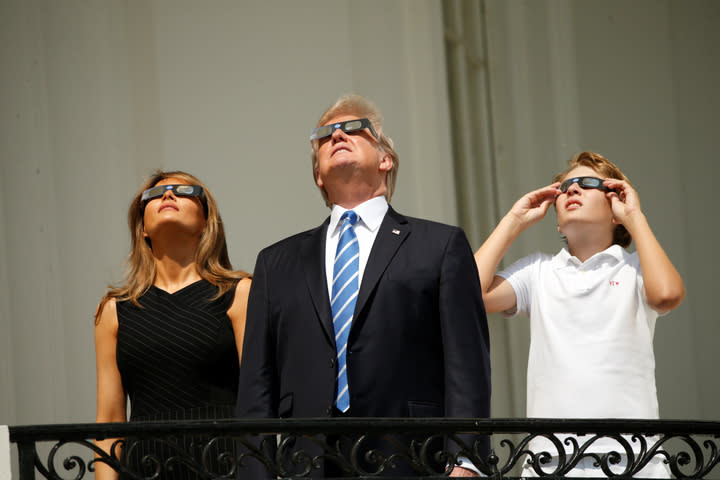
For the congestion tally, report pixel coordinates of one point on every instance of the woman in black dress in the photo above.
(170, 338)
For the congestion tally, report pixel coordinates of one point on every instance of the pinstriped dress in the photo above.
(178, 361)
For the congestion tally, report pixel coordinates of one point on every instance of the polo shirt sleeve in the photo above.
(633, 260)
(520, 275)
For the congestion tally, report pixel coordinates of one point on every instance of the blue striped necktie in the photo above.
(345, 287)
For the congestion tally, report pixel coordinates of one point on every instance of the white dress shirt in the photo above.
(370, 216)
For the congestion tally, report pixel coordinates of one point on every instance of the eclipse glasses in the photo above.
(584, 182)
(348, 126)
(178, 191)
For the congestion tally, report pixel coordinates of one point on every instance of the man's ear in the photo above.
(386, 162)
(318, 180)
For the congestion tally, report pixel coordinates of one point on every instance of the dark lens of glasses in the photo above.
(352, 126)
(590, 182)
(322, 132)
(153, 192)
(184, 190)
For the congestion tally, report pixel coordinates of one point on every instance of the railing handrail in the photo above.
(73, 431)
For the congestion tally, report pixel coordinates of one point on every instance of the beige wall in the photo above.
(95, 95)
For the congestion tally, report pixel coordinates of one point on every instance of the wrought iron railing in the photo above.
(370, 447)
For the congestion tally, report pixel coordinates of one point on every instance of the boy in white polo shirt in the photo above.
(592, 306)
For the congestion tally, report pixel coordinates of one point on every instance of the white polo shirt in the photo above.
(591, 334)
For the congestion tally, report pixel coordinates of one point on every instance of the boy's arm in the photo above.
(498, 294)
(663, 286)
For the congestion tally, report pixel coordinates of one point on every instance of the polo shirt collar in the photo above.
(613, 254)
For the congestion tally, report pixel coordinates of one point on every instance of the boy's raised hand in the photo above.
(532, 207)
(624, 200)
(498, 294)
(663, 286)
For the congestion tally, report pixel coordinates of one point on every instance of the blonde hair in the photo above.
(359, 106)
(211, 257)
(606, 169)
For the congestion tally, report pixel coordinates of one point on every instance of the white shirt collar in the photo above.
(613, 253)
(371, 213)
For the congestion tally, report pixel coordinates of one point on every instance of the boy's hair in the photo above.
(606, 169)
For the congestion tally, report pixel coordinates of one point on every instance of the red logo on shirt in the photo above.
(614, 283)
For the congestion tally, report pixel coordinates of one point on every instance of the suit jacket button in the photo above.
(332, 362)
(328, 411)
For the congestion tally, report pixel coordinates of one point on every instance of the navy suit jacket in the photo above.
(418, 344)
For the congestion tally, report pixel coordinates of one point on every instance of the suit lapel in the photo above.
(313, 252)
(393, 231)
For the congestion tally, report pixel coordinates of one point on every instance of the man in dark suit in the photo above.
(371, 314)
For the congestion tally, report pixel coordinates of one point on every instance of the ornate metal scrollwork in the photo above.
(701, 465)
(367, 448)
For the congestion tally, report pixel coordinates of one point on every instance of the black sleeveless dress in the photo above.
(178, 361)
